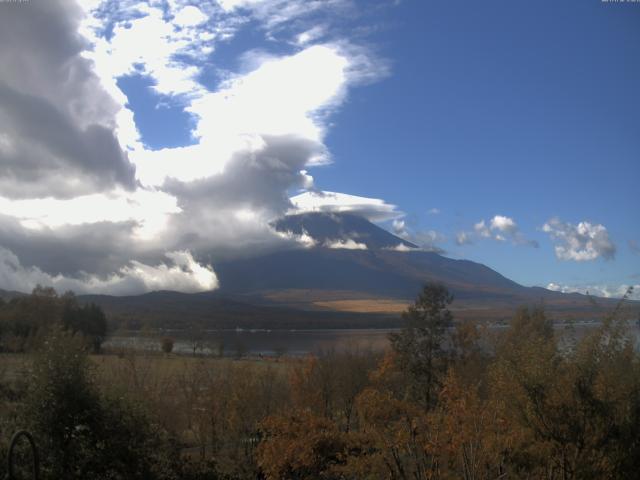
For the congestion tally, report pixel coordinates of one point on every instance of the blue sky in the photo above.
(526, 109)
(503, 132)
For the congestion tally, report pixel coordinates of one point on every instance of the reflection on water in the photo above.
(236, 343)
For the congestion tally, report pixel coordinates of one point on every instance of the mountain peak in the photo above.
(341, 230)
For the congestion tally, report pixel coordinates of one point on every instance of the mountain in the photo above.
(355, 274)
(339, 229)
(382, 263)
(383, 268)
(9, 294)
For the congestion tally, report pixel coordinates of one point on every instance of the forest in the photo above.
(448, 400)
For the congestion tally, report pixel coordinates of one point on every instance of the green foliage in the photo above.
(83, 432)
(166, 344)
(420, 344)
(88, 319)
(62, 405)
(24, 319)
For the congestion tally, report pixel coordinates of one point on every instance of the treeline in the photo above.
(26, 320)
(448, 401)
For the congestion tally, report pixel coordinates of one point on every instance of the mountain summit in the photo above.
(341, 230)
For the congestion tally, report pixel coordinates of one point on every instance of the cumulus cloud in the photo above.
(433, 211)
(607, 291)
(185, 274)
(504, 224)
(500, 228)
(582, 242)
(426, 239)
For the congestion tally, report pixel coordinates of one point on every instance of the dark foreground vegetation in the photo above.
(448, 401)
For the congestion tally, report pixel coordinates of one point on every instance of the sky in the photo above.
(141, 142)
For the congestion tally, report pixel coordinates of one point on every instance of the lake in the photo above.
(242, 342)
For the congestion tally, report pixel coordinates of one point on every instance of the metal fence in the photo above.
(11, 456)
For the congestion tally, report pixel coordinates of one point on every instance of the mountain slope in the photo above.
(378, 269)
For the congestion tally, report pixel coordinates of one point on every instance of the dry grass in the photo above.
(367, 305)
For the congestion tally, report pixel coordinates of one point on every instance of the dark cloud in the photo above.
(99, 248)
(230, 213)
(45, 154)
(56, 121)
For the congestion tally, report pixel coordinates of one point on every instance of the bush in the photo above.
(82, 432)
(166, 344)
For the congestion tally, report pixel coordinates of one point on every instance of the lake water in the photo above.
(233, 343)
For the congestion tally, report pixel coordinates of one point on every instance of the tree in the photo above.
(301, 446)
(166, 344)
(419, 345)
(26, 318)
(82, 430)
(89, 320)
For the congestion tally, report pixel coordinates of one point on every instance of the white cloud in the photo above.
(149, 209)
(582, 242)
(504, 224)
(149, 44)
(311, 35)
(501, 228)
(304, 239)
(185, 274)
(373, 209)
(190, 16)
(399, 227)
(433, 211)
(348, 244)
(607, 291)
(283, 96)
(426, 239)
(401, 247)
(482, 229)
(463, 238)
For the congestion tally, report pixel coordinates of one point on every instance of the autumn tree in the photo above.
(574, 411)
(301, 445)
